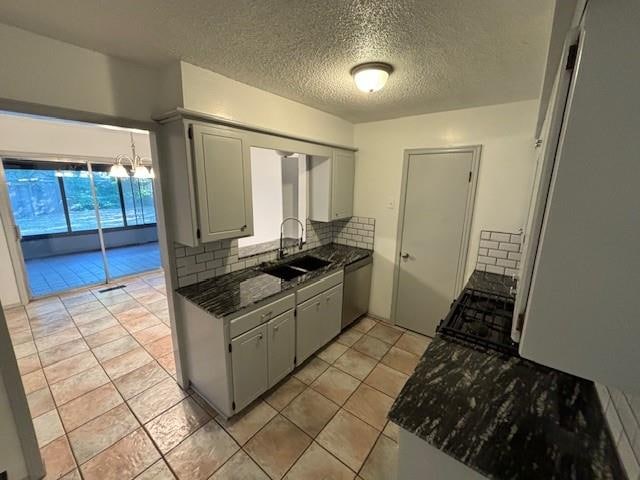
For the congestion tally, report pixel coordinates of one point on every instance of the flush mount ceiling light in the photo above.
(118, 170)
(371, 77)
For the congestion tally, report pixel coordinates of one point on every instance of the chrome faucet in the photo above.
(281, 253)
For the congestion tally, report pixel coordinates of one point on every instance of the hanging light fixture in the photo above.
(118, 170)
(371, 77)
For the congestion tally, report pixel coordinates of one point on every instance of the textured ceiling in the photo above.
(447, 54)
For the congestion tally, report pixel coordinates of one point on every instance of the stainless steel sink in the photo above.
(284, 272)
(295, 268)
(308, 263)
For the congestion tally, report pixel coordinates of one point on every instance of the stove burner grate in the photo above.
(483, 319)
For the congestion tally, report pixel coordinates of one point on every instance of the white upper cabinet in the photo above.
(331, 186)
(223, 183)
(206, 181)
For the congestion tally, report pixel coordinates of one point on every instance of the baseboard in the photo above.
(379, 318)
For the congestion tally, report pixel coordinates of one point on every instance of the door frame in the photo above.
(14, 242)
(476, 151)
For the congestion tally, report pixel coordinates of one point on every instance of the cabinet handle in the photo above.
(243, 228)
(260, 337)
(317, 304)
(276, 328)
(265, 315)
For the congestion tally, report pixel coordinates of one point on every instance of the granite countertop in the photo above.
(231, 293)
(506, 417)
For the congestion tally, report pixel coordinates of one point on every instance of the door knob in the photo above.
(405, 256)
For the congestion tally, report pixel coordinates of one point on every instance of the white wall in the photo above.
(266, 190)
(38, 136)
(506, 169)
(40, 70)
(212, 93)
(30, 134)
(11, 457)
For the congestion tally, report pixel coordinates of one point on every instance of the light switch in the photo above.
(390, 203)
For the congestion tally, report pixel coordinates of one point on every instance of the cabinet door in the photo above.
(332, 313)
(342, 178)
(308, 333)
(281, 345)
(223, 183)
(249, 366)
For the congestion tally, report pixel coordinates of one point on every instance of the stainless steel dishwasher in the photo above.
(357, 288)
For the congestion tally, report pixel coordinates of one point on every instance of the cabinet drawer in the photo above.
(320, 286)
(246, 322)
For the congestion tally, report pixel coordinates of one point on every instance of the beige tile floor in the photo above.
(99, 374)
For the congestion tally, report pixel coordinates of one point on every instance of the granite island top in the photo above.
(233, 292)
(506, 417)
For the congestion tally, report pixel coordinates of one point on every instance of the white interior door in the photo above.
(433, 235)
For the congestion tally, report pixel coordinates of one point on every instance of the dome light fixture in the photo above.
(371, 77)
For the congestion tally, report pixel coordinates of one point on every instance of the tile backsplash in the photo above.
(213, 259)
(622, 411)
(499, 252)
(355, 232)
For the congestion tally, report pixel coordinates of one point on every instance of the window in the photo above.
(278, 189)
(36, 200)
(79, 200)
(57, 199)
(109, 204)
(139, 206)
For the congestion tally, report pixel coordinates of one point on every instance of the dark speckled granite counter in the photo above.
(506, 417)
(231, 293)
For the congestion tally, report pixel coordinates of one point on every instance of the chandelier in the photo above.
(118, 170)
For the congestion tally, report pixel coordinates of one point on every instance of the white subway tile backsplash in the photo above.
(489, 244)
(514, 256)
(499, 252)
(204, 257)
(500, 237)
(486, 260)
(622, 411)
(494, 269)
(506, 263)
(510, 247)
(628, 458)
(217, 258)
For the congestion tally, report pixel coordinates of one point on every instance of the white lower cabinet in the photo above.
(249, 366)
(281, 342)
(319, 320)
(308, 331)
(232, 361)
(332, 317)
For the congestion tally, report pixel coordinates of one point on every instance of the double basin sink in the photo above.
(290, 270)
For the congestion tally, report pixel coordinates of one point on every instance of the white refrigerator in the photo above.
(578, 302)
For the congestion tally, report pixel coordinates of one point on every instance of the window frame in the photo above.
(25, 164)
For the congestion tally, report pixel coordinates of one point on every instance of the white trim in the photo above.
(13, 243)
(181, 112)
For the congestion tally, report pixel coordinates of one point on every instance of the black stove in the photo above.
(482, 319)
